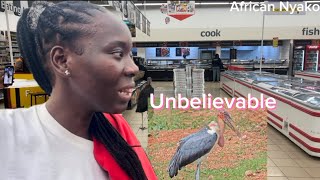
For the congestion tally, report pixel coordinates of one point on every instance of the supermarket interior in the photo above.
(228, 50)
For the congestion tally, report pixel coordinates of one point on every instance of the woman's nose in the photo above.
(131, 68)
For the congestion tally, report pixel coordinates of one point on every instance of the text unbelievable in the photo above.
(206, 102)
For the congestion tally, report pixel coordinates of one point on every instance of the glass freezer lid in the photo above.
(312, 99)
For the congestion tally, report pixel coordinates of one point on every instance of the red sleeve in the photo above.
(108, 163)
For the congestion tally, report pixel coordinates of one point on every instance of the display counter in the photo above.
(162, 69)
(315, 76)
(297, 115)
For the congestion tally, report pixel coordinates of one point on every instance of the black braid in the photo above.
(62, 24)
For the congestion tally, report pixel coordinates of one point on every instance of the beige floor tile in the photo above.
(274, 171)
(314, 172)
(294, 172)
(299, 154)
(270, 163)
(277, 178)
(277, 154)
(287, 148)
(270, 142)
(285, 162)
(301, 179)
(281, 142)
(273, 147)
(308, 163)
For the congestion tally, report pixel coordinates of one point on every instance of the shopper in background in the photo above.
(18, 65)
(2, 86)
(142, 105)
(79, 53)
(217, 66)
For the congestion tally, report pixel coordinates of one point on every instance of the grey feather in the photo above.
(190, 149)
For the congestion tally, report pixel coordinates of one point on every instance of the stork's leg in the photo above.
(198, 170)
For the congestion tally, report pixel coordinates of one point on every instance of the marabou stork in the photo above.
(197, 145)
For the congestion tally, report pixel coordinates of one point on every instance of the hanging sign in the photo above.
(131, 12)
(148, 28)
(138, 19)
(144, 25)
(125, 8)
(15, 7)
(180, 9)
(275, 42)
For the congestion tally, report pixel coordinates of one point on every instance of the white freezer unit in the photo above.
(297, 115)
(313, 76)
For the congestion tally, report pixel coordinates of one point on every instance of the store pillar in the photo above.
(142, 52)
(218, 50)
(291, 63)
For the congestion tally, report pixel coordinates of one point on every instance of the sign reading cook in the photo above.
(215, 33)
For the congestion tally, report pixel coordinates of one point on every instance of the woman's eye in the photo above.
(118, 54)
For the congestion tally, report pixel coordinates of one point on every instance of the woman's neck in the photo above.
(70, 113)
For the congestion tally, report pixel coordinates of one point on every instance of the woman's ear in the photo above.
(59, 59)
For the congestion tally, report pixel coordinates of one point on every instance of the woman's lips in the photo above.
(126, 93)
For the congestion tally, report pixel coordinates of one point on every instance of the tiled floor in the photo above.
(285, 160)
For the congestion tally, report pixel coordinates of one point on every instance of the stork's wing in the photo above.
(183, 140)
(191, 148)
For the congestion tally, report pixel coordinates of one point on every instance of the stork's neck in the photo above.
(212, 131)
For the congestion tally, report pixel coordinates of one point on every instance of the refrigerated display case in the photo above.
(297, 113)
(312, 58)
(298, 56)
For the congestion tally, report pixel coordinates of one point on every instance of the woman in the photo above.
(142, 105)
(79, 53)
(217, 66)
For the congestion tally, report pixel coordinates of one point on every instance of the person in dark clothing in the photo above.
(142, 105)
(217, 66)
(141, 68)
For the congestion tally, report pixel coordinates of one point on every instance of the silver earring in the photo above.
(67, 72)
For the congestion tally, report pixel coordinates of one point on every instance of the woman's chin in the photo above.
(118, 109)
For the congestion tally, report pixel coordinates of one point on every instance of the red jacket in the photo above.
(106, 161)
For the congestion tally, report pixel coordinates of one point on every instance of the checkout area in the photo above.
(24, 93)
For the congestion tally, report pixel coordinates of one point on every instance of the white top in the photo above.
(34, 146)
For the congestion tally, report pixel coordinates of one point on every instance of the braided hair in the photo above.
(45, 25)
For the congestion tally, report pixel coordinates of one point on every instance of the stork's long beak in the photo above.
(228, 120)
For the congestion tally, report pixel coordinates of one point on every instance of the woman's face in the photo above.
(103, 75)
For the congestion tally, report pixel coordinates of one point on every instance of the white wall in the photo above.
(285, 50)
(141, 52)
(13, 19)
(233, 25)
